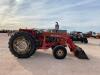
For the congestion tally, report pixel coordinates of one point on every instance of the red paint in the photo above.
(62, 39)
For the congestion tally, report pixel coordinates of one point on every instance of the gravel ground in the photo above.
(43, 62)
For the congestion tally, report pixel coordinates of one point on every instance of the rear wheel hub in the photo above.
(21, 45)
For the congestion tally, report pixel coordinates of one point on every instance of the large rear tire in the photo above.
(59, 52)
(22, 45)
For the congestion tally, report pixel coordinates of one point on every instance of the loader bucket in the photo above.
(79, 53)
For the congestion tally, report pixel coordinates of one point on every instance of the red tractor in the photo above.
(25, 42)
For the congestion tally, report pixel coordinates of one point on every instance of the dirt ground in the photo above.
(43, 62)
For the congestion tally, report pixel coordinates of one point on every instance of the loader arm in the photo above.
(71, 45)
(78, 52)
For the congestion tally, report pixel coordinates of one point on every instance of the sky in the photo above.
(72, 15)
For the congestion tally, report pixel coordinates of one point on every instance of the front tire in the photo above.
(59, 52)
(22, 45)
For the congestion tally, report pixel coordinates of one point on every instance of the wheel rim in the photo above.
(21, 45)
(60, 52)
